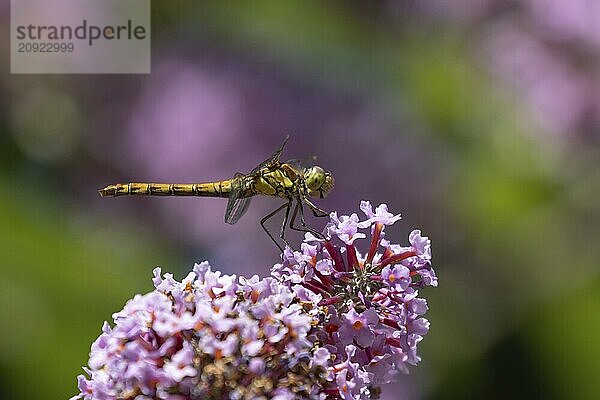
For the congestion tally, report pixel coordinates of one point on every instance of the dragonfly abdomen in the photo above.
(210, 189)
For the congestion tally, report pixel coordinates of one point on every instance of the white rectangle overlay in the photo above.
(80, 36)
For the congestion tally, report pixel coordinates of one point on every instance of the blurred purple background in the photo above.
(477, 120)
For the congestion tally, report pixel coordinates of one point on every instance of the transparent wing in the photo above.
(299, 164)
(237, 205)
(236, 208)
(296, 164)
(274, 159)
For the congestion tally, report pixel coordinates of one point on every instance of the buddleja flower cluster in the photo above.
(210, 336)
(331, 322)
(374, 317)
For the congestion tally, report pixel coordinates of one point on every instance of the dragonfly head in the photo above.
(318, 181)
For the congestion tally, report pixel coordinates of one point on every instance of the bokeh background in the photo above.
(479, 120)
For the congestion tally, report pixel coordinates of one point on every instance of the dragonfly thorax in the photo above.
(318, 181)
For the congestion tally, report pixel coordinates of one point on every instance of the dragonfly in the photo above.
(288, 180)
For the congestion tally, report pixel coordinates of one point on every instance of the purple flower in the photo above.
(428, 277)
(182, 339)
(344, 227)
(350, 379)
(381, 215)
(397, 276)
(330, 323)
(180, 365)
(321, 357)
(357, 328)
(421, 244)
(374, 315)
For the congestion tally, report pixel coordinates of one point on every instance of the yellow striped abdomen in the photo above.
(210, 189)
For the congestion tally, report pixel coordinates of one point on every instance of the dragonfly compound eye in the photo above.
(318, 182)
(314, 177)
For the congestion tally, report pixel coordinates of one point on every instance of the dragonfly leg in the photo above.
(285, 220)
(317, 212)
(305, 227)
(270, 215)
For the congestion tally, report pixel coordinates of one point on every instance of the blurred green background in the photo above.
(477, 119)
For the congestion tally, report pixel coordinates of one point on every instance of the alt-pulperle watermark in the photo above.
(80, 36)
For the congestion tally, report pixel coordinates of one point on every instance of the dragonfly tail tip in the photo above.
(105, 191)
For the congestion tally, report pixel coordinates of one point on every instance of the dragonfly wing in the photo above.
(237, 205)
(238, 202)
(296, 164)
(236, 208)
(274, 159)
